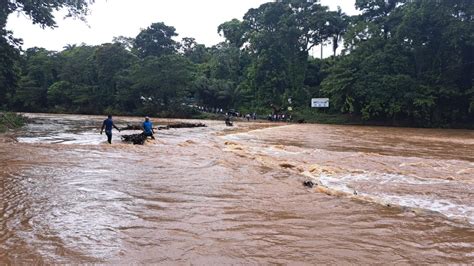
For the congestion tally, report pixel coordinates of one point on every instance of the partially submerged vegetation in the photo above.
(11, 121)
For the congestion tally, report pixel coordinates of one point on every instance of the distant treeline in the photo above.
(402, 62)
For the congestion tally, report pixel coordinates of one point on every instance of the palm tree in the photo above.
(339, 22)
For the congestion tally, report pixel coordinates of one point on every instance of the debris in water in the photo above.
(135, 138)
(182, 125)
(309, 183)
(287, 165)
(131, 127)
(166, 127)
(186, 125)
(140, 138)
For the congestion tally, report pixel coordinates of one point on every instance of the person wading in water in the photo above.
(108, 124)
(148, 128)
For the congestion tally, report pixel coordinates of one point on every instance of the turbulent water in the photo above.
(221, 195)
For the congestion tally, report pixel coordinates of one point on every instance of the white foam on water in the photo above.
(388, 179)
(336, 183)
(443, 206)
(274, 151)
(429, 203)
(237, 136)
(84, 138)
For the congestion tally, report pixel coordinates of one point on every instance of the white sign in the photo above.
(320, 102)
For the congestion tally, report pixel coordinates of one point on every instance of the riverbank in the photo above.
(307, 115)
(322, 117)
(10, 120)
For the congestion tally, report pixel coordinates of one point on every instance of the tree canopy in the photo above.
(399, 61)
(40, 12)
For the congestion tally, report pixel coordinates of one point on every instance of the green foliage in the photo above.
(9, 72)
(39, 71)
(80, 71)
(156, 40)
(160, 82)
(194, 51)
(404, 62)
(110, 60)
(10, 120)
(41, 11)
(311, 115)
(408, 62)
(216, 93)
(279, 36)
(59, 94)
(233, 31)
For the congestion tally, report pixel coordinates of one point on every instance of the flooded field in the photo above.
(222, 195)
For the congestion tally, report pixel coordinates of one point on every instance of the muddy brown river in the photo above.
(221, 195)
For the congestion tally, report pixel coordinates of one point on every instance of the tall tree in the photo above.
(234, 31)
(39, 71)
(110, 61)
(9, 72)
(279, 35)
(194, 51)
(338, 24)
(160, 82)
(40, 12)
(80, 70)
(156, 40)
(409, 61)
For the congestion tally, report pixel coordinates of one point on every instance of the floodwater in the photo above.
(220, 195)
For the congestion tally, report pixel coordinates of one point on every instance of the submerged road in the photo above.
(221, 195)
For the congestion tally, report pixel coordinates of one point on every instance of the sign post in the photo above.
(320, 102)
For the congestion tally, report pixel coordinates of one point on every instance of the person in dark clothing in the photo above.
(108, 124)
(227, 121)
(148, 128)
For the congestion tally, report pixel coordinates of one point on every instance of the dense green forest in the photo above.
(407, 62)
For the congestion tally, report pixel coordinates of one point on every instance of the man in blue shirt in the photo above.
(148, 128)
(108, 124)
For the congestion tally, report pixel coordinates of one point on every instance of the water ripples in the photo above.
(190, 198)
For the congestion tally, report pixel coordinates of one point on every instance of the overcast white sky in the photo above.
(112, 18)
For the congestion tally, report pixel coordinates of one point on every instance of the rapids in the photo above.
(222, 195)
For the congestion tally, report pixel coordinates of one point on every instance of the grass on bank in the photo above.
(10, 120)
(322, 117)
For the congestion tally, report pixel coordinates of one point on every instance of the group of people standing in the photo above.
(108, 125)
(279, 117)
(251, 116)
